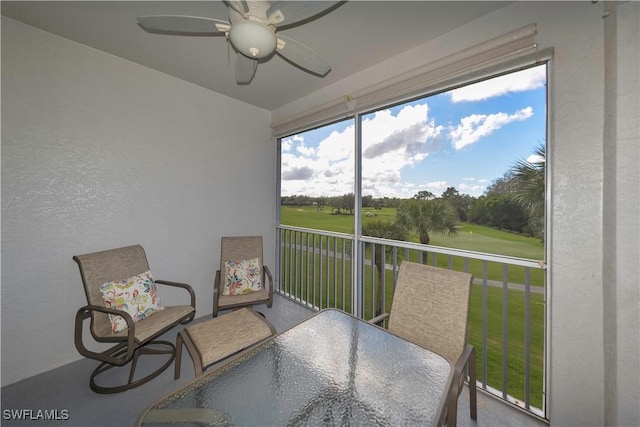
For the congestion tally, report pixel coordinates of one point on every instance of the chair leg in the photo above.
(179, 342)
(134, 364)
(473, 403)
(452, 415)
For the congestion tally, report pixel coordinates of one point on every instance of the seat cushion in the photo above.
(228, 334)
(243, 299)
(135, 295)
(161, 320)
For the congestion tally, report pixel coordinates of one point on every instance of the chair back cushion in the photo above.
(431, 308)
(236, 249)
(98, 268)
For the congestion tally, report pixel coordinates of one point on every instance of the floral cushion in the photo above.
(135, 295)
(242, 277)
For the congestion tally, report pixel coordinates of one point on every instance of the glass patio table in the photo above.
(331, 369)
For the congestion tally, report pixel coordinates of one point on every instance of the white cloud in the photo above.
(529, 79)
(325, 170)
(476, 126)
(389, 144)
(404, 133)
(296, 167)
(474, 190)
(535, 158)
(337, 146)
(472, 186)
(294, 174)
(436, 187)
(289, 142)
(304, 150)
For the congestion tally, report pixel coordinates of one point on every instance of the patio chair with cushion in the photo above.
(240, 281)
(126, 312)
(431, 308)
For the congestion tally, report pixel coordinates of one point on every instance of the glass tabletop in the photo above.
(332, 369)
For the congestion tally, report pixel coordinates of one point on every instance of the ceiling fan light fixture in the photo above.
(252, 38)
(251, 31)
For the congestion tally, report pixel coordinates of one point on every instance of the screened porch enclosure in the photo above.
(426, 154)
(320, 269)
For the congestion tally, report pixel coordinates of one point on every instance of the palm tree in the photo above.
(528, 191)
(426, 217)
(384, 230)
(529, 182)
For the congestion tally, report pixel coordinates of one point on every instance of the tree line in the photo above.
(513, 202)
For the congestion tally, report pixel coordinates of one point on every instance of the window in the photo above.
(463, 144)
(317, 178)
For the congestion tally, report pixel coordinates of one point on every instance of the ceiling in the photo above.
(351, 37)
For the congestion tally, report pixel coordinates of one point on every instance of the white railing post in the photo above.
(357, 266)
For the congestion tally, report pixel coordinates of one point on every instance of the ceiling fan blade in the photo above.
(183, 25)
(302, 56)
(245, 69)
(238, 5)
(286, 13)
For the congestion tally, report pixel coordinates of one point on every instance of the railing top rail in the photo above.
(504, 259)
(315, 231)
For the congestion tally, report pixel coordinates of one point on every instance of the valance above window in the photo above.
(462, 67)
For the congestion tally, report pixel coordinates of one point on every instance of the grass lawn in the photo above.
(326, 281)
(470, 237)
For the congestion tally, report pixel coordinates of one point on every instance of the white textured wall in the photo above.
(575, 30)
(99, 152)
(622, 322)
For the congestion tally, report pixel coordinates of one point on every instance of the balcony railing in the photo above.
(507, 310)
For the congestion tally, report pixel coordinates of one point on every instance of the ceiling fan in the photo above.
(252, 30)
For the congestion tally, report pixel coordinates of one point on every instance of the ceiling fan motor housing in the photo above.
(252, 38)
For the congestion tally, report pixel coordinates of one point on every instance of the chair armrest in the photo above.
(216, 284)
(462, 361)
(180, 285)
(216, 293)
(267, 273)
(458, 369)
(84, 313)
(378, 319)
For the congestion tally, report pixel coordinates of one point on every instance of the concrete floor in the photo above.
(66, 390)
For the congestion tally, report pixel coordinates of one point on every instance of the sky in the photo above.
(464, 138)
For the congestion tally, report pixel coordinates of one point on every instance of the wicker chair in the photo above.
(431, 308)
(234, 249)
(138, 337)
